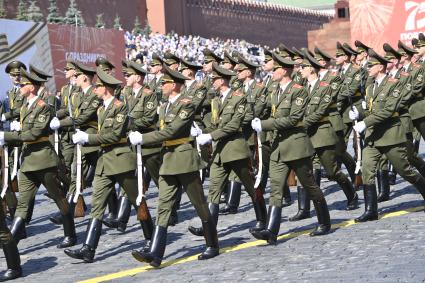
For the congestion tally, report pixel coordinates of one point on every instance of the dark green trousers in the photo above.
(169, 186)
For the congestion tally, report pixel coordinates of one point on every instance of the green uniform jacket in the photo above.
(197, 92)
(15, 103)
(383, 124)
(144, 117)
(405, 82)
(256, 105)
(316, 118)
(227, 119)
(349, 93)
(179, 155)
(115, 156)
(417, 106)
(334, 80)
(85, 115)
(63, 111)
(37, 152)
(290, 140)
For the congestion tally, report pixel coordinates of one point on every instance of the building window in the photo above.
(343, 12)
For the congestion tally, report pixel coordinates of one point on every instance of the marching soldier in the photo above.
(319, 127)
(15, 100)
(10, 250)
(155, 69)
(334, 80)
(43, 92)
(349, 94)
(291, 149)
(40, 161)
(271, 86)
(141, 107)
(230, 148)
(384, 133)
(176, 119)
(84, 105)
(171, 60)
(116, 162)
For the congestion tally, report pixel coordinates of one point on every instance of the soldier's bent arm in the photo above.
(35, 127)
(180, 124)
(238, 113)
(298, 103)
(113, 129)
(390, 107)
(322, 110)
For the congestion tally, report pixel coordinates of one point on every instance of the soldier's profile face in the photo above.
(306, 71)
(339, 60)
(79, 79)
(69, 73)
(25, 90)
(187, 73)
(129, 79)
(15, 78)
(174, 67)
(100, 91)
(268, 66)
(217, 83)
(207, 68)
(374, 70)
(167, 88)
(278, 74)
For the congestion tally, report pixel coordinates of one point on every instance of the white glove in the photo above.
(364, 105)
(3, 118)
(55, 124)
(2, 138)
(203, 139)
(359, 126)
(353, 113)
(80, 137)
(15, 126)
(135, 138)
(195, 131)
(256, 125)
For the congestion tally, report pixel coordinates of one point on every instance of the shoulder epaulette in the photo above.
(41, 102)
(238, 93)
(117, 102)
(185, 100)
(323, 83)
(297, 86)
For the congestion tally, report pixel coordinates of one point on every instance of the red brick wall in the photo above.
(255, 22)
(127, 10)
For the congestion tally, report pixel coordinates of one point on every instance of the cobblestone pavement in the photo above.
(389, 250)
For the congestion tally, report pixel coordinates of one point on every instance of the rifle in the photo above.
(142, 211)
(5, 172)
(78, 199)
(198, 148)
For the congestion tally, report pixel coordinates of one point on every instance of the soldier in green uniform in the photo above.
(84, 105)
(256, 106)
(291, 149)
(10, 250)
(155, 69)
(230, 148)
(334, 80)
(385, 134)
(180, 166)
(116, 163)
(142, 110)
(349, 93)
(297, 56)
(319, 127)
(15, 100)
(43, 92)
(271, 86)
(39, 165)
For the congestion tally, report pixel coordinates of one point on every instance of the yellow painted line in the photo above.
(291, 235)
